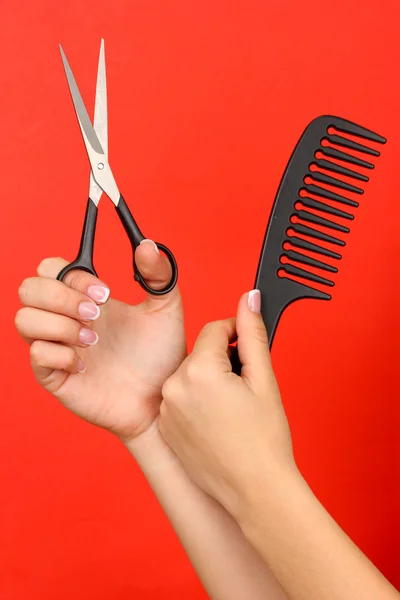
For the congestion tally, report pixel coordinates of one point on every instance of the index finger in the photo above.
(76, 279)
(215, 337)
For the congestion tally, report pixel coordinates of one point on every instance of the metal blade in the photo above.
(100, 106)
(101, 171)
(100, 120)
(89, 134)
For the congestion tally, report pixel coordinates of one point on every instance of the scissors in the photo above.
(102, 180)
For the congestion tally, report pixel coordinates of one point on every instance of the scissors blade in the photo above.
(89, 134)
(100, 106)
(101, 171)
(100, 120)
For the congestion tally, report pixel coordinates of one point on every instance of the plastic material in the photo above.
(301, 185)
(136, 236)
(84, 260)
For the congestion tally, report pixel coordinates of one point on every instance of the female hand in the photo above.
(138, 348)
(232, 436)
(225, 429)
(103, 359)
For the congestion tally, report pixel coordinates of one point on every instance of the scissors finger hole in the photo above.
(174, 275)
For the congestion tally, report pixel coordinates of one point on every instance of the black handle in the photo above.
(136, 236)
(235, 362)
(84, 260)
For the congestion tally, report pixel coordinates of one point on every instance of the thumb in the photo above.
(155, 269)
(252, 340)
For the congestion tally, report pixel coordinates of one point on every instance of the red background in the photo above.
(206, 100)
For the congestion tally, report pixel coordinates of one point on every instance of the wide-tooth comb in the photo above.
(325, 175)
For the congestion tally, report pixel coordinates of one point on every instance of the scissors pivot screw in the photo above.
(100, 166)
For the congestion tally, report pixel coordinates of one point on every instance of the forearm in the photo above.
(304, 547)
(227, 565)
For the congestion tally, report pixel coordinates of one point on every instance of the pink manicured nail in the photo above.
(80, 366)
(151, 242)
(98, 293)
(254, 301)
(88, 311)
(88, 336)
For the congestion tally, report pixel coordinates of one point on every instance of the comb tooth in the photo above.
(354, 160)
(324, 193)
(330, 166)
(310, 203)
(346, 143)
(304, 230)
(354, 129)
(300, 243)
(307, 275)
(321, 177)
(307, 260)
(304, 215)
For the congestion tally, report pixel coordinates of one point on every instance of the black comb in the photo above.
(324, 175)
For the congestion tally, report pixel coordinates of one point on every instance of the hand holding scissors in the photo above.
(102, 180)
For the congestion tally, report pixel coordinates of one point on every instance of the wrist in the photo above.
(272, 489)
(150, 450)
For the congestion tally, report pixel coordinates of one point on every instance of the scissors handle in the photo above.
(84, 260)
(135, 237)
(235, 362)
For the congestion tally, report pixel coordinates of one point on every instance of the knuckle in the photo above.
(70, 357)
(195, 369)
(50, 266)
(76, 279)
(58, 299)
(217, 325)
(20, 319)
(260, 334)
(68, 331)
(170, 389)
(23, 289)
(211, 326)
(207, 357)
(36, 352)
(202, 371)
(43, 266)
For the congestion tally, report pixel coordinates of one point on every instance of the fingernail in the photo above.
(98, 293)
(89, 311)
(88, 336)
(151, 242)
(254, 301)
(80, 367)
